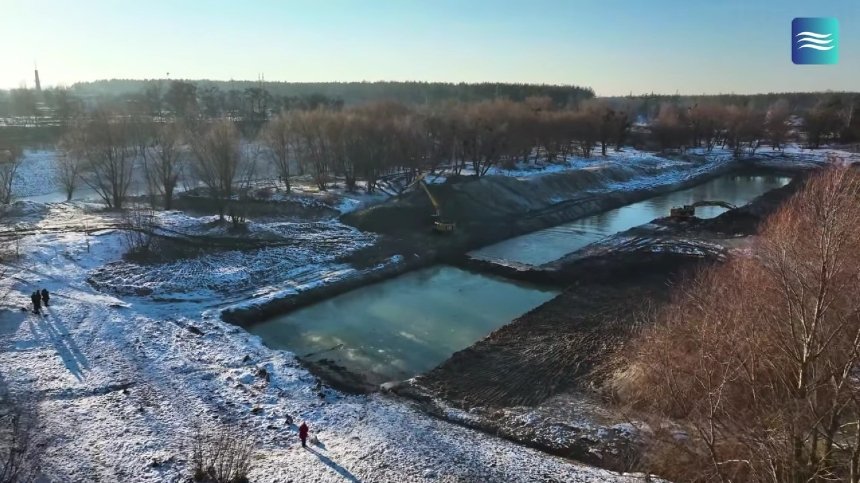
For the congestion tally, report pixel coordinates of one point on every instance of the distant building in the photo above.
(38, 84)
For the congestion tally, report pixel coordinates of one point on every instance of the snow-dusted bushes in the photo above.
(137, 236)
(221, 454)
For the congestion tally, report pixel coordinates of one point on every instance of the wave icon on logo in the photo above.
(813, 40)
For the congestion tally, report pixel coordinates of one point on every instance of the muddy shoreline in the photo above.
(428, 249)
(558, 349)
(524, 368)
(422, 248)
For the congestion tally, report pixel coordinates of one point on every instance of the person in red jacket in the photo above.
(303, 433)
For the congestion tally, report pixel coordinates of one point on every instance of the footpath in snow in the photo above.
(120, 383)
(120, 380)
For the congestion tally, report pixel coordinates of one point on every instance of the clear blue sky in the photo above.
(613, 46)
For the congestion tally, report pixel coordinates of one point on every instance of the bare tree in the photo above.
(67, 174)
(162, 158)
(822, 123)
(485, 140)
(246, 175)
(217, 157)
(764, 388)
(776, 123)
(670, 128)
(314, 145)
(71, 159)
(10, 160)
(105, 144)
(280, 138)
(707, 123)
(744, 129)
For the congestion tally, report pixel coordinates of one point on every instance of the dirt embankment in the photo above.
(554, 349)
(492, 208)
(486, 210)
(257, 208)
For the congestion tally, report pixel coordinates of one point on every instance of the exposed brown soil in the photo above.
(486, 210)
(549, 349)
(558, 350)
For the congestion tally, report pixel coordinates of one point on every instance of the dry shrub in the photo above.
(750, 373)
(221, 455)
(18, 456)
(140, 223)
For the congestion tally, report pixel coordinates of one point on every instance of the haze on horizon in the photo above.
(615, 47)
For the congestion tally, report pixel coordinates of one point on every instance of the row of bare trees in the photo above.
(377, 141)
(373, 140)
(364, 143)
(743, 129)
(752, 373)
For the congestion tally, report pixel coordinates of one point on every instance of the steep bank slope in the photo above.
(502, 199)
(487, 210)
(531, 379)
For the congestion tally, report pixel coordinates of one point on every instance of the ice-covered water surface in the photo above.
(404, 326)
(547, 245)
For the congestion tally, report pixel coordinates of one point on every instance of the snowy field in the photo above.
(308, 254)
(120, 384)
(120, 380)
(36, 175)
(791, 155)
(36, 181)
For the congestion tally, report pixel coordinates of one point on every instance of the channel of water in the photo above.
(398, 328)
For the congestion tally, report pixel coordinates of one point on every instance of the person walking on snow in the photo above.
(45, 296)
(303, 433)
(37, 302)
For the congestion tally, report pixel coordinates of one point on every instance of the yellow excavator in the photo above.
(440, 224)
(688, 211)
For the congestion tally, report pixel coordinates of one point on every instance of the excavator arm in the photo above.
(721, 204)
(440, 225)
(689, 211)
(432, 198)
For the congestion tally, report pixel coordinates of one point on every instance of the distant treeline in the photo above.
(258, 101)
(359, 92)
(649, 104)
(255, 101)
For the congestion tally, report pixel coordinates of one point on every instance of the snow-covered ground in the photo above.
(36, 181)
(301, 254)
(37, 174)
(626, 156)
(792, 154)
(121, 382)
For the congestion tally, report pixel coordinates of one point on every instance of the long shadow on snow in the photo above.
(331, 464)
(69, 351)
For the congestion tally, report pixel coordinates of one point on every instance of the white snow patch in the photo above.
(119, 386)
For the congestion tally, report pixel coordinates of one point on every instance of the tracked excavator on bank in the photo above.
(440, 224)
(688, 211)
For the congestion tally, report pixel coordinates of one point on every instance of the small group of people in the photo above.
(38, 298)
